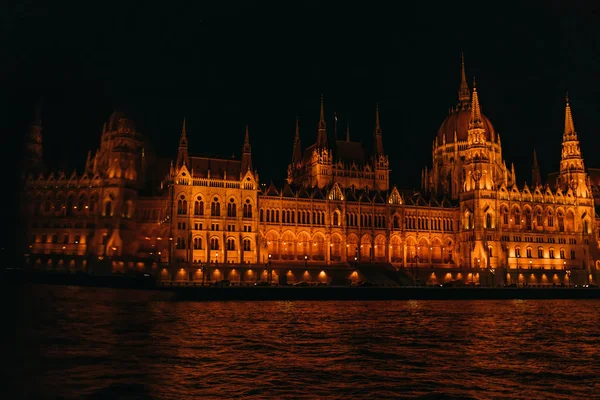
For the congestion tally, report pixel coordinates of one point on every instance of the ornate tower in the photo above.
(321, 167)
(296, 163)
(33, 162)
(380, 159)
(476, 204)
(182, 152)
(117, 164)
(572, 170)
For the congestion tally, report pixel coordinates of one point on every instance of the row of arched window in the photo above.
(70, 205)
(197, 244)
(429, 223)
(291, 217)
(215, 207)
(540, 253)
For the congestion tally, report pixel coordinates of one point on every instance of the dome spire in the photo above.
(378, 137)
(569, 126)
(476, 120)
(464, 94)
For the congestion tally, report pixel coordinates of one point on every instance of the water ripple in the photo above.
(87, 343)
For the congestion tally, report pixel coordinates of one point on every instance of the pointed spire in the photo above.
(378, 136)
(322, 124)
(182, 153)
(322, 134)
(476, 120)
(297, 151)
(246, 153)
(536, 178)
(569, 126)
(463, 93)
(513, 176)
(247, 138)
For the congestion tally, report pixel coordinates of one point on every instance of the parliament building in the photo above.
(338, 218)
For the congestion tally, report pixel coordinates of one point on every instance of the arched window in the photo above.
(261, 215)
(585, 226)
(488, 220)
(182, 205)
(540, 252)
(247, 209)
(70, 204)
(215, 207)
(505, 216)
(108, 208)
(247, 245)
(214, 244)
(93, 202)
(198, 206)
(336, 219)
(529, 252)
(550, 219)
(517, 252)
(396, 222)
(231, 208)
(230, 244)
(528, 219)
(551, 253)
(538, 218)
(197, 243)
(561, 222)
(490, 252)
(562, 253)
(517, 216)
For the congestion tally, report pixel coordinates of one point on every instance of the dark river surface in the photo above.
(68, 342)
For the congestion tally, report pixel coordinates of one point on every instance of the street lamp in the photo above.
(517, 280)
(305, 261)
(269, 275)
(203, 268)
(492, 272)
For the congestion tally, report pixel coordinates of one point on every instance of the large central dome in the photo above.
(458, 121)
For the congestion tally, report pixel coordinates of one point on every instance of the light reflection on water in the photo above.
(74, 342)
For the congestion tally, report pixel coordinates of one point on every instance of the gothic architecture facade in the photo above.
(337, 217)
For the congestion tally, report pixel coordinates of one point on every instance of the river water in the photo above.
(71, 342)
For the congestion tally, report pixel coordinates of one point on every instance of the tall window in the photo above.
(336, 219)
(572, 254)
(562, 253)
(230, 244)
(247, 245)
(180, 243)
(488, 220)
(505, 216)
(528, 218)
(247, 209)
(551, 253)
(182, 205)
(550, 220)
(561, 222)
(540, 252)
(231, 208)
(108, 208)
(197, 243)
(215, 208)
(214, 244)
(538, 218)
(198, 206)
(529, 252)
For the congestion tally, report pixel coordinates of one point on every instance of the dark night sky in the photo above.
(224, 64)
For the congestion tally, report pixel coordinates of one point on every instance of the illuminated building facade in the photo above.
(336, 217)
